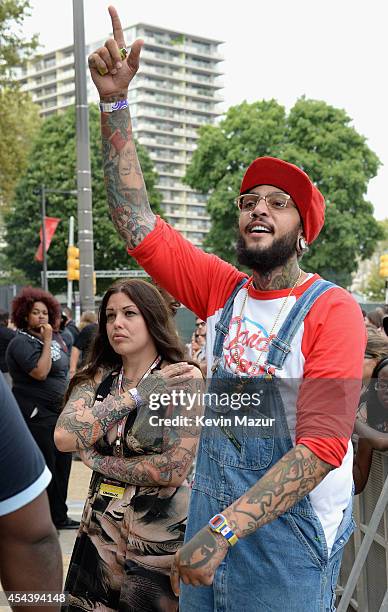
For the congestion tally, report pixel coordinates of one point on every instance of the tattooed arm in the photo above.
(171, 466)
(127, 196)
(287, 482)
(84, 421)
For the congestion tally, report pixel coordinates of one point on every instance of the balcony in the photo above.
(178, 60)
(167, 44)
(164, 86)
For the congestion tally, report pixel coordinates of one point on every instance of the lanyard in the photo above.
(121, 424)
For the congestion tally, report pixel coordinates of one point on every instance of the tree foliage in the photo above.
(19, 123)
(375, 285)
(318, 138)
(19, 117)
(14, 47)
(52, 162)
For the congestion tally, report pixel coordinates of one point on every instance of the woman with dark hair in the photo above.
(373, 434)
(38, 362)
(116, 417)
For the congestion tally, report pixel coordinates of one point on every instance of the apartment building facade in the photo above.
(175, 92)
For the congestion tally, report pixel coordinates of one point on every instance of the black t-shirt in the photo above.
(6, 335)
(23, 474)
(22, 356)
(85, 339)
(67, 338)
(73, 329)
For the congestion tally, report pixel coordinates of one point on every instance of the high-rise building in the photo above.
(173, 94)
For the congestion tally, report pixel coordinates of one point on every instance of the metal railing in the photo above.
(363, 581)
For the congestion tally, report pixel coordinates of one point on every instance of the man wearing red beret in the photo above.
(270, 510)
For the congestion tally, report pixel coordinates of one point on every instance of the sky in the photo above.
(332, 50)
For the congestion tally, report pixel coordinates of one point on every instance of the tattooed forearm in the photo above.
(83, 421)
(165, 469)
(126, 191)
(203, 551)
(287, 482)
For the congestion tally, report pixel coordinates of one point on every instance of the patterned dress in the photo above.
(124, 548)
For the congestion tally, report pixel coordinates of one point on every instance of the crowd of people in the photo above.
(296, 401)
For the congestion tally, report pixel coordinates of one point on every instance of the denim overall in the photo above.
(284, 566)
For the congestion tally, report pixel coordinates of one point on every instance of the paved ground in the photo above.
(78, 487)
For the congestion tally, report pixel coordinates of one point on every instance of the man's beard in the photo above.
(266, 259)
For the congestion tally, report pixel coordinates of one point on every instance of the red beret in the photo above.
(283, 175)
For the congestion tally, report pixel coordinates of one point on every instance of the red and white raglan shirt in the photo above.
(326, 354)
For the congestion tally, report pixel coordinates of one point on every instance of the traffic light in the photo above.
(384, 265)
(72, 263)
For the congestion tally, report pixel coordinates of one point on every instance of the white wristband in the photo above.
(110, 107)
(135, 395)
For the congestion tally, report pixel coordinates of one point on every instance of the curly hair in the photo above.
(23, 303)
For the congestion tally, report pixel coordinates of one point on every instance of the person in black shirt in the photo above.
(6, 335)
(81, 347)
(30, 555)
(69, 324)
(38, 362)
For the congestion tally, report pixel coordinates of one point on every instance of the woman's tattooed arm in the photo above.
(179, 444)
(84, 421)
(169, 468)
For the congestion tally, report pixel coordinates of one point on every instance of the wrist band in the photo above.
(135, 395)
(110, 107)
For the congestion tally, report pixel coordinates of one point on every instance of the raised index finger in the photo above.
(116, 26)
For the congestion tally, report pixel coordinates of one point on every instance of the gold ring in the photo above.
(123, 53)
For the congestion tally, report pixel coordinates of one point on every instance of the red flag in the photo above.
(50, 224)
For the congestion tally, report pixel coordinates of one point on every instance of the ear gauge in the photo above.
(302, 245)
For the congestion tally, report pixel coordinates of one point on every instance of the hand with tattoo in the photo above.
(163, 381)
(89, 456)
(196, 562)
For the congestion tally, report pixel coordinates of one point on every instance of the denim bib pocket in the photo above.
(235, 438)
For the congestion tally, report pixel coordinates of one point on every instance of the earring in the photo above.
(302, 244)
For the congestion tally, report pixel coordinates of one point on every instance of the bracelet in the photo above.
(135, 395)
(110, 107)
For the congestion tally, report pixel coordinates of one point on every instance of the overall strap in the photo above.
(222, 327)
(281, 344)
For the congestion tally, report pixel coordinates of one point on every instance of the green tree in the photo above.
(52, 162)
(19, 117)
(14, 47)
(19, 123)
(375, 285)
(315, 136)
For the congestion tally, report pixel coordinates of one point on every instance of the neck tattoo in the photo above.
(235, 353)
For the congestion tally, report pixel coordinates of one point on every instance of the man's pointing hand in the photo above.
(111, 68)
